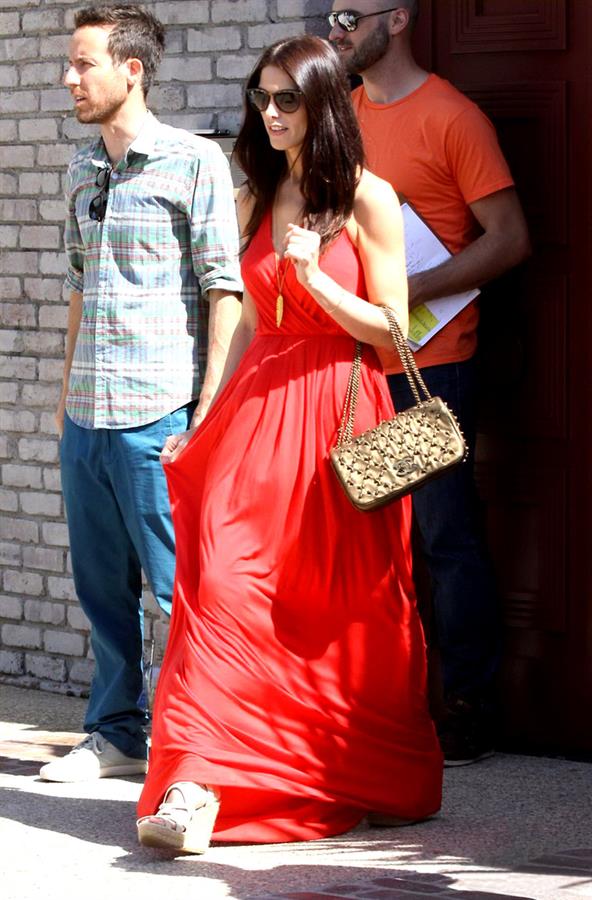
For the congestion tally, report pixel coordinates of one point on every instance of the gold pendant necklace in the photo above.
(279, 302)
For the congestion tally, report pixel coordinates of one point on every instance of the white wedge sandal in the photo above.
(184, 825)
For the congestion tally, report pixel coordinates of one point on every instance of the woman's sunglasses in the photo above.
(287, 101)
(348, 19)
(98, 205)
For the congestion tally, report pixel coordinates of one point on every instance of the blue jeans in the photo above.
(447, 514)
(119, 522)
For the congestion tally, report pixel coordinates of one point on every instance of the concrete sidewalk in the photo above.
(512, 826)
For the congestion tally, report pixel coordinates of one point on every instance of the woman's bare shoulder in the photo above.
(374, 192)
(375, 201)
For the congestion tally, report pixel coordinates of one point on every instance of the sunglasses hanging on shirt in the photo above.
(98, 205)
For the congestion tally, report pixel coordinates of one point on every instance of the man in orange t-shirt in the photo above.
(440, 152)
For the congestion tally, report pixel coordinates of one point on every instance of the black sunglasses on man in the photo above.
(348, 19)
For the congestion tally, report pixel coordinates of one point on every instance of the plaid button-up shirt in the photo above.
(168, 236)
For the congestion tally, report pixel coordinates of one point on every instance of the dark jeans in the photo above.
(119, 522)
(464, 598)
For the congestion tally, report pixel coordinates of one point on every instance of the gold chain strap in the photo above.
(416, 382)
(346, 428)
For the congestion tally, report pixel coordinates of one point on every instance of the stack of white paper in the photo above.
(424, 250)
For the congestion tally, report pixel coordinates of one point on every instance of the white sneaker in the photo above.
(93, 758)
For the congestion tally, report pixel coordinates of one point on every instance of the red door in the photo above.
(527, 63)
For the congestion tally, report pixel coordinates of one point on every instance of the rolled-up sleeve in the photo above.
(214, 229)
(73, 241)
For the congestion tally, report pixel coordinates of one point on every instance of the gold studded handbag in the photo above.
(402, 454)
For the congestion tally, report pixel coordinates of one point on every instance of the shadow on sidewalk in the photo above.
(507, 818)
(386, 869)
(109, 822)
(319, 881)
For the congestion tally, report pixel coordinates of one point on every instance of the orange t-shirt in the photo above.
(440, 152)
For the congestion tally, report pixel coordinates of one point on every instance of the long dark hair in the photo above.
(332, 153)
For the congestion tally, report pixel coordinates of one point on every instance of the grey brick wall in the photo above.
(211, 46)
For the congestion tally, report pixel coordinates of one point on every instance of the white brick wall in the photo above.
(211, 47)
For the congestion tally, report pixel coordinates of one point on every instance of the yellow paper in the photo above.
(421, 321)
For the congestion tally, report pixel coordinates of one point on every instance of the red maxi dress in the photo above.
(295, 675)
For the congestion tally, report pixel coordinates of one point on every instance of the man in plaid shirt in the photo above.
(152, 247)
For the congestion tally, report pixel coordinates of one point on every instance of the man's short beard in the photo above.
(369, 52)
(103, 113)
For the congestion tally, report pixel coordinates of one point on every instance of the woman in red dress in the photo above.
(292, 696)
